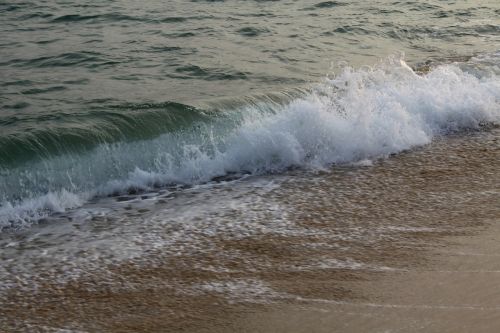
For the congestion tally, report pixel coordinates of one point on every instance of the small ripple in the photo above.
(252, 31)
(112, 17)
(487, 28)
(104, 17)
(77, 81)
(262, 14)
(90, 59)
(35, 16)
(4, 121)
(11, 7)
(387, 11)
(172, 19)
(179, 34)
(325, 5)
(463, 13)
(17, 83)
(46, 41)
(15, 106)
(349, 30)
(209, 74)
(419, 6)
(43, 90)
(329, 4)
(442, 14)
(165, 48)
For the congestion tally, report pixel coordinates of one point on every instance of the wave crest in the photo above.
(357, 116)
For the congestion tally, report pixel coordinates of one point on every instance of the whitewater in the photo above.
(353, 116)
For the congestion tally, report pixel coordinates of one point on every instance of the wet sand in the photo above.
(408, 244)
(457, 291)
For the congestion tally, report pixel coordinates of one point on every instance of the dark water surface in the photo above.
(64, 57)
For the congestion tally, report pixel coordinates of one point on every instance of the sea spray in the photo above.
(358, 115)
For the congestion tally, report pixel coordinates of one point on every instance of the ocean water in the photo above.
(131, 127)
(102, 99)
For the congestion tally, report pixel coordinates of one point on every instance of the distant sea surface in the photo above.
(130, 114)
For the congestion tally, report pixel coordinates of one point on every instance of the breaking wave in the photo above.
(360, 114)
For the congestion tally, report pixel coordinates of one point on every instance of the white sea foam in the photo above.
(353, 118)
(30, 210)
(357, 116)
